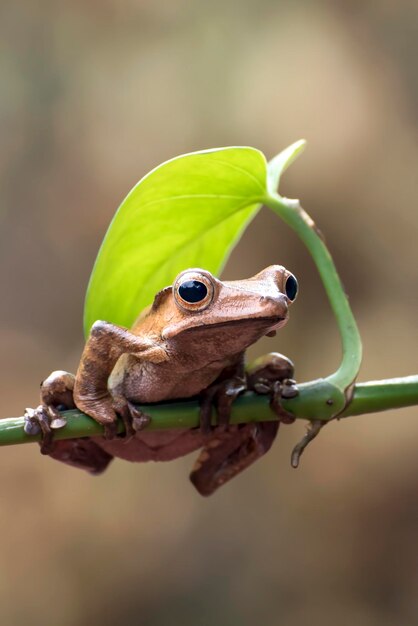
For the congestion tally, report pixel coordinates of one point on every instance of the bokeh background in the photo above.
(95, 94)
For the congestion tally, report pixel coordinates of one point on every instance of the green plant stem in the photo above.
(292, 213)
(368, 397)
(381, 395)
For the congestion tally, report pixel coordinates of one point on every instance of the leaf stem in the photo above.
(292, 213)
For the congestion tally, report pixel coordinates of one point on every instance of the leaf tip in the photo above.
(281, 162)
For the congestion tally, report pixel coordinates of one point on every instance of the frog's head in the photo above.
(229, 314)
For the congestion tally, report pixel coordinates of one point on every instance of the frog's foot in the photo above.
(221, 395)
(229, 452)
(284, 389)
(37, 422)
(102, 409)
(314, 428)
(272, 375)
(56, 396)
(133, 419)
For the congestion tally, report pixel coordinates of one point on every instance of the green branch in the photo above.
(368, 397)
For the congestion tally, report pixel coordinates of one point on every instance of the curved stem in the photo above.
(292, 213)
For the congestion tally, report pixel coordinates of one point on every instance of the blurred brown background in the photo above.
(95, 94)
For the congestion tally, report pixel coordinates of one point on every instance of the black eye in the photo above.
(192, 291)
(291, 287)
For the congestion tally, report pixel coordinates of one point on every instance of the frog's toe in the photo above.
(134, 420)
(58, 422)
(205, 411)
(31, 424)
(140, 420)
(272, 375)
(289, 388)
(42, 421)
(225, 398)
(282, 390)
(110, 430)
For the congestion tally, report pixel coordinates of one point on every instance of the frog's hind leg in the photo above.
(229, 452)
(82, 453)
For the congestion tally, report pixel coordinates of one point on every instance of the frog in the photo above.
(190, 343)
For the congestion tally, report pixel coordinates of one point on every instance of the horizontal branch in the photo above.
(369, 397)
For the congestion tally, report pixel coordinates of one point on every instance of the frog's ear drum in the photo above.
(193, 291)
(291, 287)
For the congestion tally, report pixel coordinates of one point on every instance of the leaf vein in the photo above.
(244, 171)
(200, 196)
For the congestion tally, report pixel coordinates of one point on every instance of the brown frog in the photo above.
(190, 342)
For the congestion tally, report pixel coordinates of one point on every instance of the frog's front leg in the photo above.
(56, 395)
(88, 390)
(105, 345)
(229, 452)
(272, 374)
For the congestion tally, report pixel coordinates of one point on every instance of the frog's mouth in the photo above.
(271, 323)
(265, 324)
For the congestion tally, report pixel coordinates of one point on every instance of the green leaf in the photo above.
(281, 162)
(187, 212)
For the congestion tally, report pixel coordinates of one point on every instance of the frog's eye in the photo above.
(193, 291)
(291, 287)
